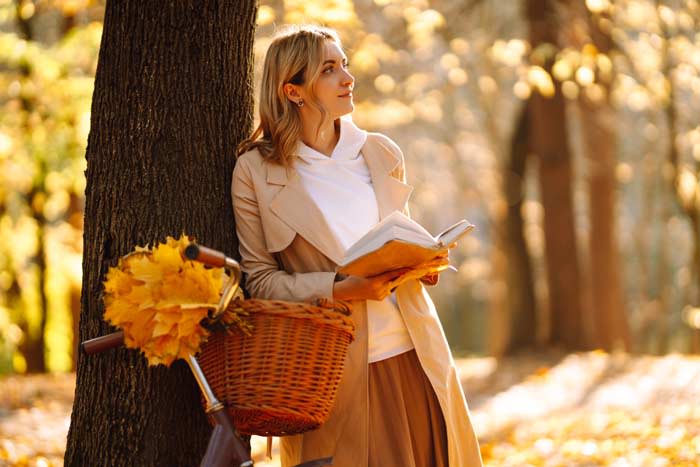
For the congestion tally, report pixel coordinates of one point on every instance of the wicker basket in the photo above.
(282, 379)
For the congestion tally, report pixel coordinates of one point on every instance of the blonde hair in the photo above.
(294, 56)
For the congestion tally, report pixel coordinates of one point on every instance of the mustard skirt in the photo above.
(406, 426)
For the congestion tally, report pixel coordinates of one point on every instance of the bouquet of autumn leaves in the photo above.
(161, 301)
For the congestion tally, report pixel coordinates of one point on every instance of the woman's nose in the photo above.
(348, 79)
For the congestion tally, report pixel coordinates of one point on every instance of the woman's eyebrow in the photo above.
(333, 61)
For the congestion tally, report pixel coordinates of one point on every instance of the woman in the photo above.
(307, 184)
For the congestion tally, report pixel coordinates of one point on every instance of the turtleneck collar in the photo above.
(348, 147)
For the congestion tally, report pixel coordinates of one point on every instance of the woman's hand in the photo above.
(366, 288)
(440, 260)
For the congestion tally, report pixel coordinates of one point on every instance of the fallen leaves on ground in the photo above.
(548, 410)
(585, 410)
(34, 419)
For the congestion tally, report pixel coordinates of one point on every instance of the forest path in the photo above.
(574, 410)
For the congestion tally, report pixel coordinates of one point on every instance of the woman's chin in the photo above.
(346, 109)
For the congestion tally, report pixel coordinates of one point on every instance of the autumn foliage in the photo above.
(159, 299)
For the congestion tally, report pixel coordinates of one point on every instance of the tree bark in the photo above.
(172, 100)
(549, 141)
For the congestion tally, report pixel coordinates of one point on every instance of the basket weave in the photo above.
(282, 379)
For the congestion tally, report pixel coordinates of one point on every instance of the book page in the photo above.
(396, 226)
(454, 232)
(393, 232)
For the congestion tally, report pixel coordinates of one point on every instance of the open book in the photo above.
(398, 242)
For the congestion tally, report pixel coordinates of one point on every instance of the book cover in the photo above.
(400, 242)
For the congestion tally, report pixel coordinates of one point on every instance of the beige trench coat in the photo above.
(289, 253)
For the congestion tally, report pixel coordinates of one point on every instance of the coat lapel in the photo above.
(392, 194)
(295, 207)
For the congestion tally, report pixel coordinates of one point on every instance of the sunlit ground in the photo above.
(578, 410)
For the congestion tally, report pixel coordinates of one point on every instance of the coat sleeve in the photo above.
(264, 278)
(400, 173)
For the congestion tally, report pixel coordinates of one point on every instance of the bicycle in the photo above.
(225, 447)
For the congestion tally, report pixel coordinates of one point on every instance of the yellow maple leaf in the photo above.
(163, 329)
(167, 256)
(188, 327)
(117, 310)
(142, 326)
(161, 350)
(119, 282)
(145, 270)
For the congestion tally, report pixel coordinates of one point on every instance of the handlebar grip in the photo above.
(205, 255)
(100, 344)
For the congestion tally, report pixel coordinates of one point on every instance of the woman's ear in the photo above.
(292, 93)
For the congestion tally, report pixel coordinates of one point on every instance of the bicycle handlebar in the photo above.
(100, 344)
(215, 258)
(210, 257)
(225, 447)
(194, 252)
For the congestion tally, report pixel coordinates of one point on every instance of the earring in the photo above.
(300, 103)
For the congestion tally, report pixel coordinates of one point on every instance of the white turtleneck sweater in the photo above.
(341, 187)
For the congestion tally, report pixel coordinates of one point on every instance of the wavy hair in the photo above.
(295, 56)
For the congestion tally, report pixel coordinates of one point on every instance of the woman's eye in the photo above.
(330, 69)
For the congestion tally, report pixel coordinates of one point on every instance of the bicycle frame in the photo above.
(225, 447)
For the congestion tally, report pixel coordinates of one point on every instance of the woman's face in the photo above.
(334, 86)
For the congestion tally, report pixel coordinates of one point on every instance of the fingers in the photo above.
(389, 275)
(430, 279)
(445, 253)
(366, 288)
(381, 283)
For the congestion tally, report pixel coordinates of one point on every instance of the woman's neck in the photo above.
(325, 139)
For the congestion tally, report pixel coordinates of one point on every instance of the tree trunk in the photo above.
(609, 317)
(172, 100)
(549, 141)
(33, 348)
(598, 121)
(512, 311)
(521, 288)
(689, 209)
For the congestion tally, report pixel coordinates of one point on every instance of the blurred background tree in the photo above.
(48, 52)
(568, 131)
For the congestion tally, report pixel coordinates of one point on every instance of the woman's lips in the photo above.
(349, 94)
